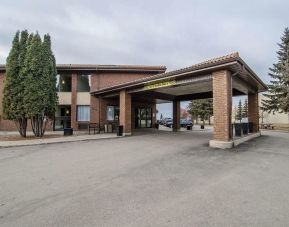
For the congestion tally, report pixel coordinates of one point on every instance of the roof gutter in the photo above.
(255, 77)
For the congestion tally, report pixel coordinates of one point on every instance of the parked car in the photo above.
(184, 123)
(167, 121)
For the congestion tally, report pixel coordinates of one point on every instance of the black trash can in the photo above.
(245, 128)
(189, 127)
(251, 127)
(68, 131)
(157, 125)
(238, 129)
(202, 126)
(119, 130)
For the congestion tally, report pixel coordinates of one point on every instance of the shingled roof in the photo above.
(233, 57)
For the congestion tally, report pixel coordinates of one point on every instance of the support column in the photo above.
(253, 111)
(222, 109)
(125, 111)
(94, 109)
(74, 101)
(176, 115)
(154, 114)
(98, 108)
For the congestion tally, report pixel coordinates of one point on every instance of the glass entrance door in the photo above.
(143, 117)
(62, 117)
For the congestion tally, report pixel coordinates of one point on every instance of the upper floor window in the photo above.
(63, 83)
(83, 83)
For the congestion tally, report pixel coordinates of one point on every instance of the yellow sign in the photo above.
(160, 84)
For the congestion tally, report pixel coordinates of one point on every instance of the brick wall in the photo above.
(222, 97)
(74, 101)
(98, 80)
(125, 111)
(253, 111)
(107, 79)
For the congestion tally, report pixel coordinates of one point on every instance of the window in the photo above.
(62, 117)
(63, 83)
(112, 113)
(83, 113)
(83, 83)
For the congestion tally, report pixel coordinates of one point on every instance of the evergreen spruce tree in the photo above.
(34, 96)
(278, 92)
(245, 109)
(240, 111)
(14, 86)
(40, 94)
(235, 113)
(49, 74)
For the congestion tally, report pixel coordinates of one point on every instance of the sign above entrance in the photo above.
(159, 84)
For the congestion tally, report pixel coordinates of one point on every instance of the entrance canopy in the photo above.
(194, 82)
(219, 78)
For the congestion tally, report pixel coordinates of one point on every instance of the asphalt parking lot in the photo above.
(149, 179)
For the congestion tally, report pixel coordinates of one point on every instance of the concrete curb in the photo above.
(246, 138)
(233, 143)
(7, 144)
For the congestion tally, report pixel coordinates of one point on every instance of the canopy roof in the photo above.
(231, 62)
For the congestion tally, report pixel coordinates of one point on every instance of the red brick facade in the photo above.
(125, 110)
(253, 111)
(98, 106)
(222, 107)
(136, 97)
(106, 79)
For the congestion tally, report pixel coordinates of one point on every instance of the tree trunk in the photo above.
(21, 125)
(38, 124)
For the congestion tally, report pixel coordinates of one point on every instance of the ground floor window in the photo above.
(112, 113)
(83, 113)
(62, 117)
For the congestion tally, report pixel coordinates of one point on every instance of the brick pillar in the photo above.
(73, 101)
(98, 108)
(154, 114)
(176, 115)
(253, 111)
(125, 111)
(222, 106)
(94, 109)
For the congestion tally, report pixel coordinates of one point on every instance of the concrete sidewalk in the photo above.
(56, 140)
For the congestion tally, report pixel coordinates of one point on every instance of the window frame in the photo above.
(58, 86)
(77, 114)
(89, 82)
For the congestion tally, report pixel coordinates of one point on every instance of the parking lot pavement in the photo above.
(149, 179)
